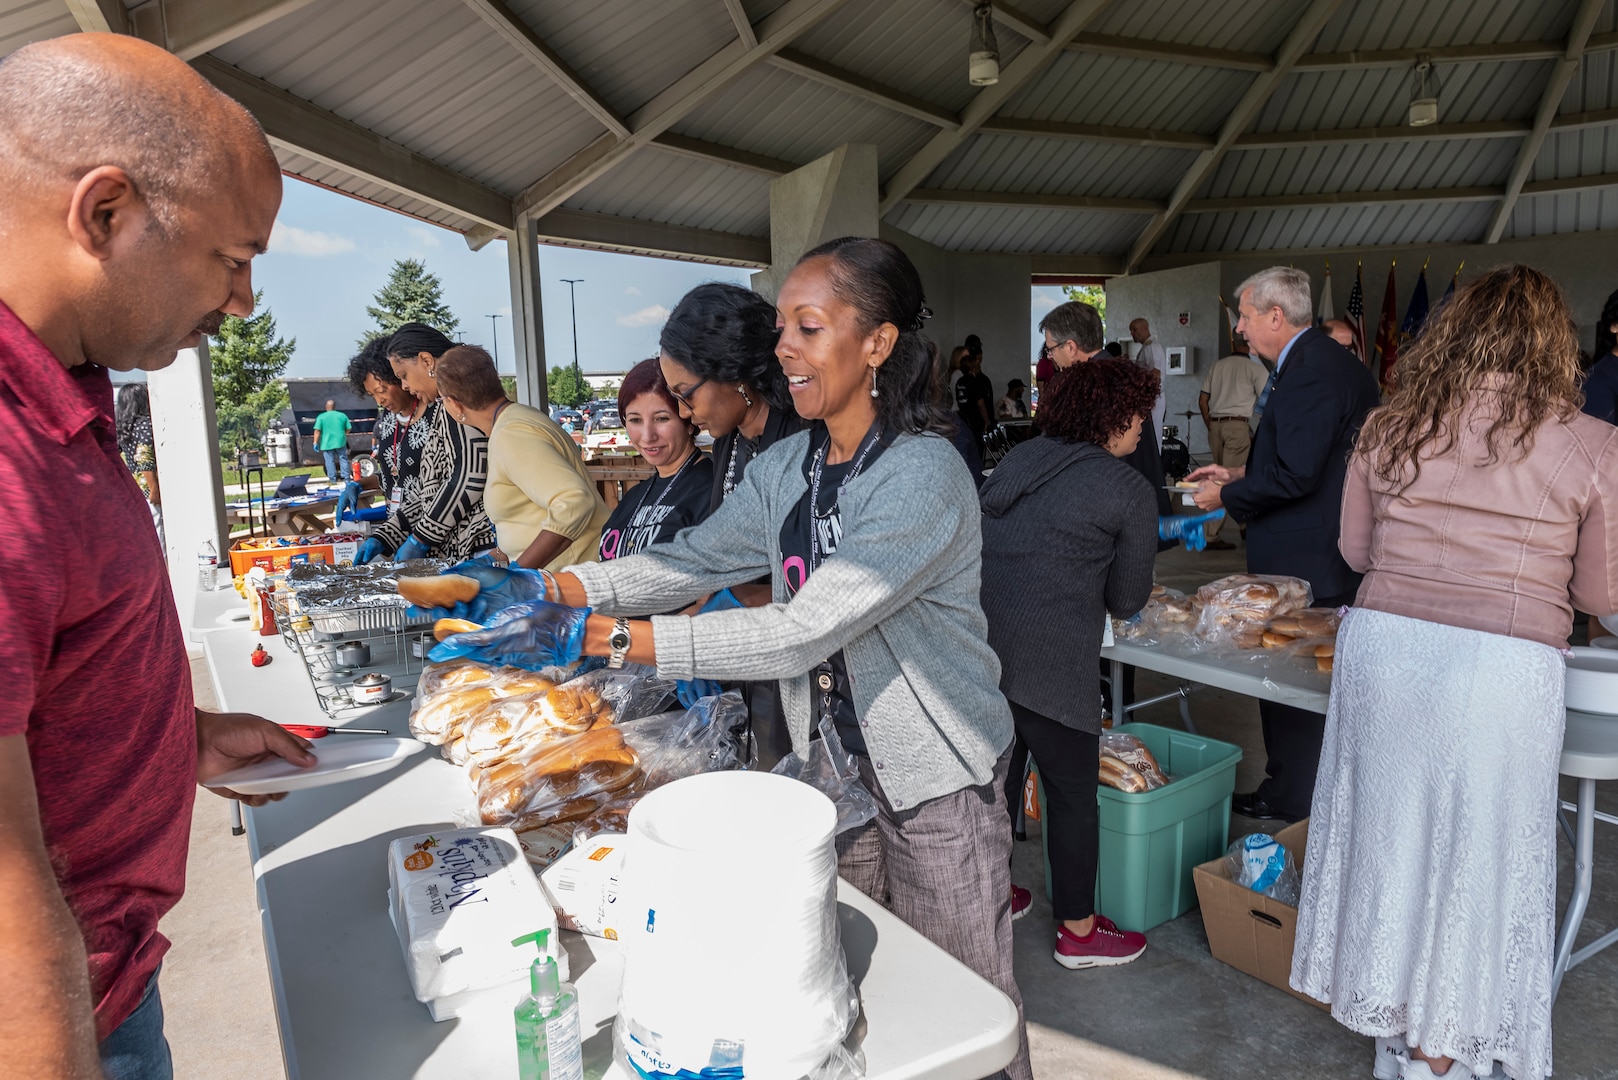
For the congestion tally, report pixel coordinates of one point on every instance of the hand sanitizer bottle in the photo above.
(549, 1045)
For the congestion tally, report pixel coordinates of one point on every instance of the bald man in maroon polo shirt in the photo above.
(133, 197)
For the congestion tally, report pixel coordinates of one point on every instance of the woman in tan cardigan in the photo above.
(1479, 504)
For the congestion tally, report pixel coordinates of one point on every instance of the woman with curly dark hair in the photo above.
(1069, 535)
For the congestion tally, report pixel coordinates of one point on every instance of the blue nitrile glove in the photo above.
(1187, 529)
(499, 587)
(723, 600)
(534, 635)
(410, 549)
(348, 502)
(689, 691)
(372, 548)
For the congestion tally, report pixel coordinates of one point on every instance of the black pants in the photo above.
(1068, 762)
(1292, 738)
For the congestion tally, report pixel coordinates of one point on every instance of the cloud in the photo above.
(1045, 299)
(632, 291)
(648, 316)
(428, 237)
(290, 240)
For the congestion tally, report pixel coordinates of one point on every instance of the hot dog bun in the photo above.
(443, 628)
(444, 590)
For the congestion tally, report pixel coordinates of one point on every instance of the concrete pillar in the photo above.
(527, 313)
(186, 432)
(830, 197)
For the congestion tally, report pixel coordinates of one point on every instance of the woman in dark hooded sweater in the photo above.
(1070, 535)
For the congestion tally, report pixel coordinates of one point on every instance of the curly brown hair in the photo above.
(1512, 330)
(1098, 399)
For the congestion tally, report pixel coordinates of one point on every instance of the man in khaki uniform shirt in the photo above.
(1229, 392)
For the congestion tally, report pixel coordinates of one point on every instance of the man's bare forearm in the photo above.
(47, 1019)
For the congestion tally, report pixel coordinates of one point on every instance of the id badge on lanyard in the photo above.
(395, 497)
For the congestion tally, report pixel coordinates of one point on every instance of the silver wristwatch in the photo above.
(618, 641)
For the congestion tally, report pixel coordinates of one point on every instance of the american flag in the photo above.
(1356, 314)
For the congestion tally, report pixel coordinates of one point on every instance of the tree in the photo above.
(248, 360)
(411, 295)
(566, 388)
(1094, 295)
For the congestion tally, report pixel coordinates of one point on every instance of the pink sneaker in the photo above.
(1107, 946)
(1021, 901)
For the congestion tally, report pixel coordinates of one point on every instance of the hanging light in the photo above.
(1423, 98)
(983, 63)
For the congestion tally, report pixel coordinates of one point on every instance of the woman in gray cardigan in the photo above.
(1070, 534)
(867, 525)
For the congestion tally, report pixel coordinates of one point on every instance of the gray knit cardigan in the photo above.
(900, 598)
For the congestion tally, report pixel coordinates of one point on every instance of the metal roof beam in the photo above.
(520, 36)
(1053, 129)
(849, 82)
(99, 16)
(1019, 21)
(724, 155)
(605, 232)
(1580, 120)
(295, 124)
(1023, 67)
(668, 108)
(1173, 52)
(1571, 183)
(1486, 129)
(744, 25)
(1340, 198)
(1551, 100)
(189, 28)
(1030, 201)
(1303, 35)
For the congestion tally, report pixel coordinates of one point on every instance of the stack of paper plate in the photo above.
(1592, 680)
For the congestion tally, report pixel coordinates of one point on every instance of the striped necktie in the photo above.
(1264, 395)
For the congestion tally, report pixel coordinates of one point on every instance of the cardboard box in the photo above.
(1247, 930)
(246, 554)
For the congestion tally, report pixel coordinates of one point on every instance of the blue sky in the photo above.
(330, 254)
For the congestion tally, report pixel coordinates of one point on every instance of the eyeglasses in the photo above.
(685, 398)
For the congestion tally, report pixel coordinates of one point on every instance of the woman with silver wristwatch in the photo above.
(868, 527)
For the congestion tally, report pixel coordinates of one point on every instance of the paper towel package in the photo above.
(457, 899)
(583, 886)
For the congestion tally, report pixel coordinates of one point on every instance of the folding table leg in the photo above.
(1120, 711)
(236, 826)
(1185, 708)
(1583, 871)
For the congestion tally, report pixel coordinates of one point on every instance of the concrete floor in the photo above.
(1174, 1014)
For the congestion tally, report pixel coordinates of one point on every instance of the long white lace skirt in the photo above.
(1429, 887)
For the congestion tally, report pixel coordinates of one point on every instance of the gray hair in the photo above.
(1077, 322)
(1281, 287)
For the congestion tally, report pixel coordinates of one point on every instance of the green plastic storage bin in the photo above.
(1151, 841)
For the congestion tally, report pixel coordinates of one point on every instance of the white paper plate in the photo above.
(340, 759)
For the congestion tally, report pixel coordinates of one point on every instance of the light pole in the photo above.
(495, 334)
(574, 307)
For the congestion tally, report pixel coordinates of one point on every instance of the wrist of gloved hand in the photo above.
(411, 549)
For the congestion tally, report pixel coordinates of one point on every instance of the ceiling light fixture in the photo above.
(983, 63)
(1424, 99)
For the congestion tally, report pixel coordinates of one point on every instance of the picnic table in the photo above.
(284, 517)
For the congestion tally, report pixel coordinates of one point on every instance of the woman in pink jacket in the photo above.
(1480, 506)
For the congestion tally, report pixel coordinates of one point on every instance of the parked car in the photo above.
(608, 418)
(562, 416)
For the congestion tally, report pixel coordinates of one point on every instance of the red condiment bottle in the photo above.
(267, 610)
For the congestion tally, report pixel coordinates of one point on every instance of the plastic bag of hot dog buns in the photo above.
(550, 783)
(1233, 612)
(1127, 765)
(1303, 640)
(708, 737)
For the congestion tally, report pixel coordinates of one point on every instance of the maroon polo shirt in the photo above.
(93, 665)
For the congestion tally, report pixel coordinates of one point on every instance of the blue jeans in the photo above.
(336, 463)
(136, 1050)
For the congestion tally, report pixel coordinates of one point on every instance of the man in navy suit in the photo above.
(1290, 496)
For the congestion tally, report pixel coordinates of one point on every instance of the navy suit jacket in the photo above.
(1291, 498)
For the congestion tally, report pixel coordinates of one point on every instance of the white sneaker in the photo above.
(1412, 1069)
(1390, 1057)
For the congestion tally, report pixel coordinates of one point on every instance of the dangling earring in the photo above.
(873, 383)
(742, 390)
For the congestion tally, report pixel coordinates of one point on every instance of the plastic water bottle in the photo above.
(207, 566)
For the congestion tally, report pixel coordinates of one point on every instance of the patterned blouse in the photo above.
(137, 448)
(442, 503)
